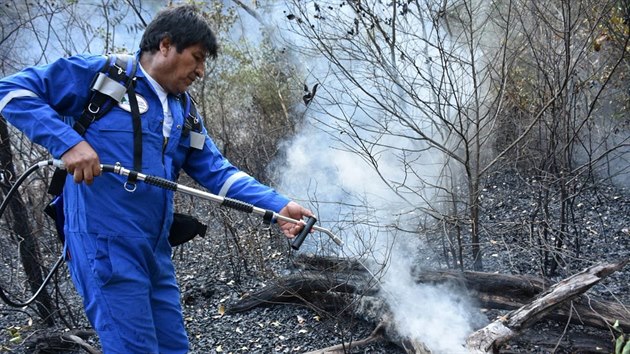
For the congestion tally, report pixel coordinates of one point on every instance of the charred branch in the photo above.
(493, 336)
(298, 288)
(61, 342)
(343, 285)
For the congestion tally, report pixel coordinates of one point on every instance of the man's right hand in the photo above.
(82, 162)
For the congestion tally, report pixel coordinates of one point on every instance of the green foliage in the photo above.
(246, 100)
(622, 344)
(14, 334)
(220, 16)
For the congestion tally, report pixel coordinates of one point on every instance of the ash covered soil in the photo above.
(227, 264)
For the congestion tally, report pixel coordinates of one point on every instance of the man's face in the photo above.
(181, 69)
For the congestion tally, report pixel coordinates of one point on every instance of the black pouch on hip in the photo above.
(185, 228)
(54, 210)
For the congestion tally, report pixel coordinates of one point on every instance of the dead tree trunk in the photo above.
(493, 291)
(28, 247)
(493, 336)
(342, 285)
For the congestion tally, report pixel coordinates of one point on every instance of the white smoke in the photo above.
(440, 316)
(376, 220)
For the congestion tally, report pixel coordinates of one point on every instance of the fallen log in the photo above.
(523, 287)
(496, 291)
(324, 282)
(343, 285)
(299, 288)
(520, 288)
(584, 310)
(490, 338)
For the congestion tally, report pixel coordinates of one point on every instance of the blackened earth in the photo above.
(214, 272)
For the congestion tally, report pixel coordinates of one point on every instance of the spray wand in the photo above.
(234, 204)
(231, 203)
(268, 215)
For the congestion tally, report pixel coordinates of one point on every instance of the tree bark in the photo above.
(493, 336)
(335, 284)
(28, 247)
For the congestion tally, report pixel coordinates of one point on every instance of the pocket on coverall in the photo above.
(125, 261)
(102, 262)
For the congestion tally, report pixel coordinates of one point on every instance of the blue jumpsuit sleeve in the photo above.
(36, 99)
(212, 170)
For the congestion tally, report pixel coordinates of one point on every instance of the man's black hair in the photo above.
(184, 25)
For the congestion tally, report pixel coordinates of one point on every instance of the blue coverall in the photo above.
(120, 258)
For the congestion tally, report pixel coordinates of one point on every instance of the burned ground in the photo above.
(229, 263)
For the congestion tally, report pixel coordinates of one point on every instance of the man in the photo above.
(119, 255)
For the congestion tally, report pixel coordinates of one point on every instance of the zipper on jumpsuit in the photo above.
(168, 146)
(165, 144)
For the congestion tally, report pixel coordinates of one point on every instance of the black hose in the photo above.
(3, 206)
(17, 303)
(15, 186)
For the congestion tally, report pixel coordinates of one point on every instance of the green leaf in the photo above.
(626, 348)
(619, 343)
(616, 326)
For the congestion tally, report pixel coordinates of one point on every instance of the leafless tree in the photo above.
(564, 75)
(36, 32)
(424, 93)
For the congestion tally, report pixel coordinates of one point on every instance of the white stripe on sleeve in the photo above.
(230, 181)
(15, 94)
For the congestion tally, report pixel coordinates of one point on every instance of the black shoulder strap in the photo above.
(108, 88)
(137, 132)
(191, 119)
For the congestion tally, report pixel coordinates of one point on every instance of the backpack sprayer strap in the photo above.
(137, 133)
(108, 88)
(191, 119)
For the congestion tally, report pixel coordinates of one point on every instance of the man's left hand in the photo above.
(293, 210)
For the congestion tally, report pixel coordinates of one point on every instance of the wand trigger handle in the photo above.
(299, 239)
